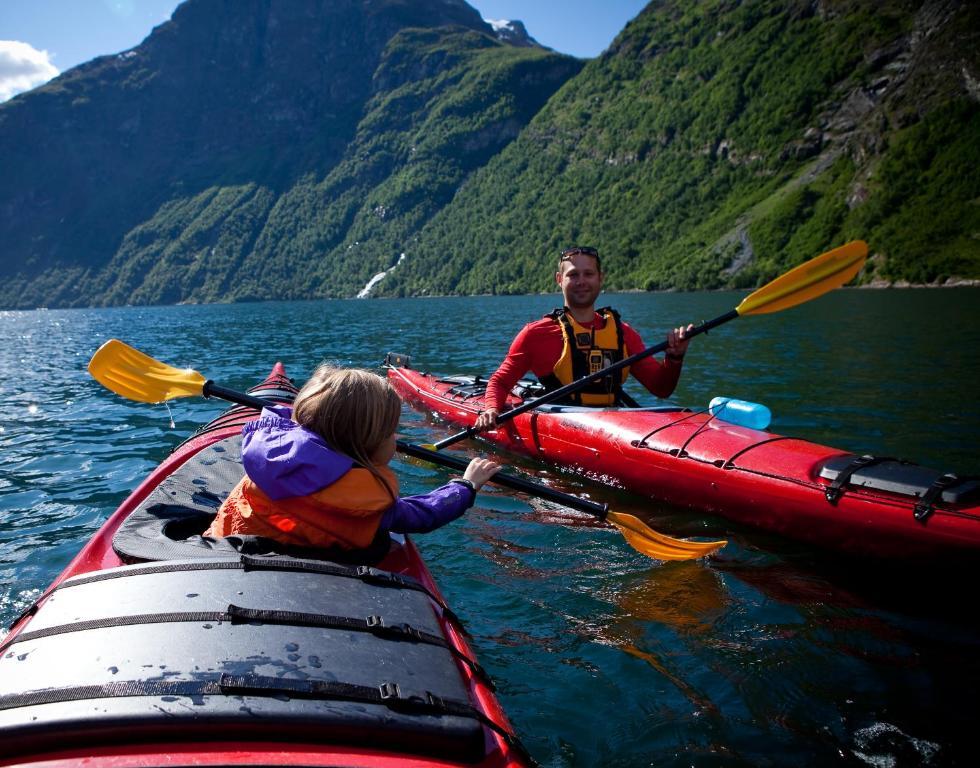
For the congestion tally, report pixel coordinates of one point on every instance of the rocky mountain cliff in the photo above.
(247, 147)
(261, 149)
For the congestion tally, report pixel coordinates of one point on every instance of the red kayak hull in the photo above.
(403, 559)
(691, 460)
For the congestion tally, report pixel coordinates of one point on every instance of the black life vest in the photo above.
(585, 351)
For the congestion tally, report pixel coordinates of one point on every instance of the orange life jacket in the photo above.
(345, 514)
(585, 351)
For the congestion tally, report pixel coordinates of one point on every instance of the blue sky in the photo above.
(39, 38)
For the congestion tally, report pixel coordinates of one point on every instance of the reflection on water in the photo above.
(684, 598)
(768, 654)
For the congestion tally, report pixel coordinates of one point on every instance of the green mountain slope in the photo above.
(717, 143)
(253, 150)
(248, 150)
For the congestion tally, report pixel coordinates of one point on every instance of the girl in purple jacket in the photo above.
(319, 477)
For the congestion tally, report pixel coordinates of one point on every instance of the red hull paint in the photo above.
(404, 559)
(690, 460)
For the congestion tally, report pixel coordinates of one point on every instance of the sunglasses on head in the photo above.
(575, 250)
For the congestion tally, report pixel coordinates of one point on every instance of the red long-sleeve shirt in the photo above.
(539, 345)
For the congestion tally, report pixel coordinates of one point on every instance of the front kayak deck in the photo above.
(167, 636)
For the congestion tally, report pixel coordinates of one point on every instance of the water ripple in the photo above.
(769, 654)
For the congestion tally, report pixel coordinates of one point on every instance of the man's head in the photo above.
(579, 276)
(586, 250)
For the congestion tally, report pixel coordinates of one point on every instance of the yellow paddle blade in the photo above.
(657, 545)
(130, 373)
(807, 281)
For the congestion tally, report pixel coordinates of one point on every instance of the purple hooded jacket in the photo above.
(285, 459)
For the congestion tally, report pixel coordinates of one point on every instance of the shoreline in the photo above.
(876, 285)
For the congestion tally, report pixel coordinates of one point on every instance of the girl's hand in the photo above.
(479, 471)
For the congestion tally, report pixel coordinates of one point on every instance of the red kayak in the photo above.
(864, 505)
(158, 646)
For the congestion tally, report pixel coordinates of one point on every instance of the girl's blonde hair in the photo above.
(354, 410)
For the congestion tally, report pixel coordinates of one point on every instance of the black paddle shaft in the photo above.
(578, 384)
(508, 481)
(232, 396)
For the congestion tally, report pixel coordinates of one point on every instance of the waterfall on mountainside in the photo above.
(365, 292)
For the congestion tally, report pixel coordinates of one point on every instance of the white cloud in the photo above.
(23, 67)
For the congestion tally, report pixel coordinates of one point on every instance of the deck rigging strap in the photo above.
(927, 504)
(642, 441)
(235, 614)
(364, 573)
(835, 490)
(682, 451)
(388, 694)
(729, 463)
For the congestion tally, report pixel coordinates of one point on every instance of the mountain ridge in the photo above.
(805, 125)
(298, 150)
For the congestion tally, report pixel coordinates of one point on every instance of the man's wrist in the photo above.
(675, 358)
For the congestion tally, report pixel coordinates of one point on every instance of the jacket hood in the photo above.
(285, 459)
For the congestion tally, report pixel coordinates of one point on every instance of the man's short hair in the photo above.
(575, 250)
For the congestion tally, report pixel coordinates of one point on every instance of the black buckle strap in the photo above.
(387, 694)
(364, 573)
(927, 504)
(373, 624)
(835, 490)
(377, 627)
(235, 614)
(238, 615)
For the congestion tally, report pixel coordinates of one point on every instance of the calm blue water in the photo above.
(770, 654)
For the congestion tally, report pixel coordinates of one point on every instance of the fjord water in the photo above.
(768, 654)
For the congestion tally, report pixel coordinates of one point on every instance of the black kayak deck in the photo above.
(210, 639)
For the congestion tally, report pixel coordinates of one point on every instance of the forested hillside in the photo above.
(717, 143)
(252, 150)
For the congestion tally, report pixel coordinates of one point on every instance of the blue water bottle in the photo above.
(741, 412)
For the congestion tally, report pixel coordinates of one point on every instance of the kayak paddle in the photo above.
(639, 535)
(137, 376)
(807, 281)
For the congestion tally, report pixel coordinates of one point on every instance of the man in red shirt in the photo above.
(578, 340)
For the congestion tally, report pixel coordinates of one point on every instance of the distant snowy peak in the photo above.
(513, 32)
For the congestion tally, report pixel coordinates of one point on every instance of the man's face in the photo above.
(580, 281)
